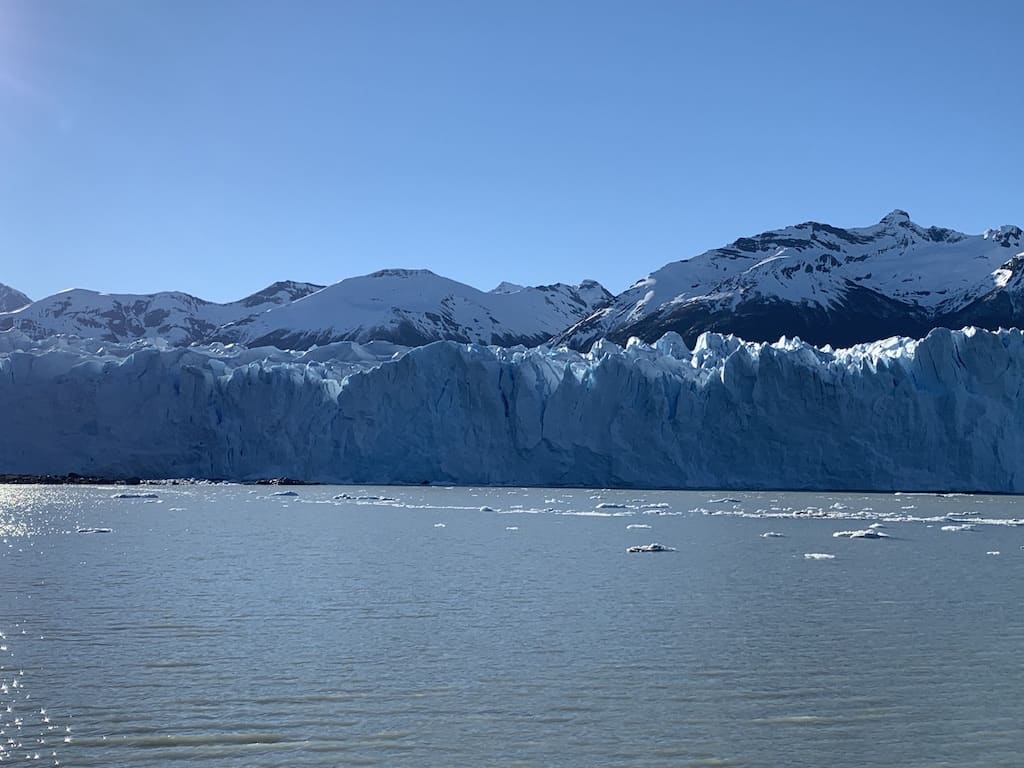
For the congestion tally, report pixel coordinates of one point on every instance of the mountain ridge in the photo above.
(823, 283)
(826, 284)
(12, 299)
(404, 306)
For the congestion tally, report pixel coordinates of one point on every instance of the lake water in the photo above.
(226, 626)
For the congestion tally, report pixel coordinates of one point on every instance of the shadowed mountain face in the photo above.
(826, 285)
(11, 299)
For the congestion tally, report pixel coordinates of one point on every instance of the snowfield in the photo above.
(941, 413)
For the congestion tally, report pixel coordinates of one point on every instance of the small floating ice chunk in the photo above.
(724, 500)
(609, 505)
(818, 556)
(511, 527)
(135, 496)
(652, 547)
(95, 530)
(993, 552)
(867, 533)
(440, 525)
(957, 528)
(772, 535)
(284, 493)
(636, 525)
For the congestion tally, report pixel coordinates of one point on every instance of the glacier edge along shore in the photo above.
(943, 413)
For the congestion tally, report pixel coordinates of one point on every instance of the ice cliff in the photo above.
(942, 413)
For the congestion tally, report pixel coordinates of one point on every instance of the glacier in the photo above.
(942, 413)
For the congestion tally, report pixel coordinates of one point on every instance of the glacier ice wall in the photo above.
(942, 413)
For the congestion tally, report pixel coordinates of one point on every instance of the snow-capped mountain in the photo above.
(178, 318)
(822, 283)
(10, 299)
(409, 307)
(826, 285)
(416, 306)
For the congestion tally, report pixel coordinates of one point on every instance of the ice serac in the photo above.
(942, 413)
(415, 307)
(827, 285)
(11, 299)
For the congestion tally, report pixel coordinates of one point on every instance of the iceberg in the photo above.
(866, 533)
(653, 547)
(936, 414)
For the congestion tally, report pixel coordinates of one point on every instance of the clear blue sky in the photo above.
(214, 146)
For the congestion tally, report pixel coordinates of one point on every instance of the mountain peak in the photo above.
(11, 299)
(403, 273)
(506, 287)
(896, 216)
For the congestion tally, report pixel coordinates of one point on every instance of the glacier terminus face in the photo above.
(939, 414)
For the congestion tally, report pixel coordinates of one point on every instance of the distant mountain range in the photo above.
(822, 283)
(176, 317)
(408, 307)
(826, 285)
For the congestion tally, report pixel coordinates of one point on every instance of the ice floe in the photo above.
(866, 533)
(865, 515)
(818, 556)
(652, 547)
